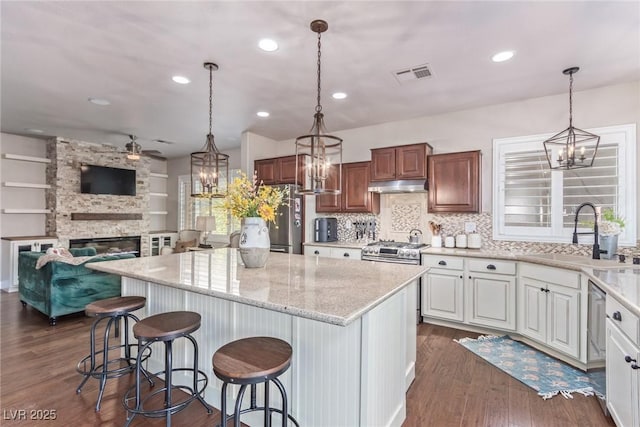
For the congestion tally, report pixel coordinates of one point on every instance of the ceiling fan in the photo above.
(134, 150)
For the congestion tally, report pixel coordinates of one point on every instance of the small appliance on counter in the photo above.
(474, 241)
(325, 230)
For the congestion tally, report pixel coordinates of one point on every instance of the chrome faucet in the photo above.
(596, 248)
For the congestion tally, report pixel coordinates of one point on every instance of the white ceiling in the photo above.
(55, 55)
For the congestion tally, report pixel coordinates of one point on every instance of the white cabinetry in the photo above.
(622, 364)
(443, 287)
(161, 239)
(11, 248)
(491, 293)
(549, 307)
(332, 252)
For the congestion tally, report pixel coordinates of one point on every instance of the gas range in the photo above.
(391, 251)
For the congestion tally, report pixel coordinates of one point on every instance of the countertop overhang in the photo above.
(329, 290)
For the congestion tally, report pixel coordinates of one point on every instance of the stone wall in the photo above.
(64, 197)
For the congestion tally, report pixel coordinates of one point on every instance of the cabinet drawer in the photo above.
(557, 276)
(324, 251)
(628, 322)
(492, 266)
(346, 253)
(447, 262)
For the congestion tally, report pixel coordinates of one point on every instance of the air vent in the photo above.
(418, 72)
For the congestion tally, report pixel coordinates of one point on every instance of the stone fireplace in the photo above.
(110, 245)
(91, 217)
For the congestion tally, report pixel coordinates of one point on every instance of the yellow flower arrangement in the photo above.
(249, 199)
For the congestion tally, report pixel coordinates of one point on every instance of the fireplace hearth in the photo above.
(109, 245)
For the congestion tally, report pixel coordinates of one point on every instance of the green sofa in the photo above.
(59, 288)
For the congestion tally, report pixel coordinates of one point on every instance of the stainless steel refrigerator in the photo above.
(286, 233)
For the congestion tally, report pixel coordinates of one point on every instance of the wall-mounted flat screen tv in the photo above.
(104, 180)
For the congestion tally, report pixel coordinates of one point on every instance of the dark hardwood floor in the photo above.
(453, 387)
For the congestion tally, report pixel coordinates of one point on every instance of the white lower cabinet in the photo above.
(442, 294)
(549, 312)
(11, 248)
(492, 300)
(623, 364)
(332, 252)
(159, 240)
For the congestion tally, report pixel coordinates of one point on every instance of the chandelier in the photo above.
(572, 148)
(318, 153)
(209, 167)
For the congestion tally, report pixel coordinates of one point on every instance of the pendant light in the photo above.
(209, 167)
(572, 148)
(318, 153)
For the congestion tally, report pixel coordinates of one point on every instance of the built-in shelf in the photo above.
(25, 185)
(159, 194)
(159, 175)
(26, 211)
(158, 213)
(26, 158)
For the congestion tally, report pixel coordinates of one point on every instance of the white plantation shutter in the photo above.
(533, 203)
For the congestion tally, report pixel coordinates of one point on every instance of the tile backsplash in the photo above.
(400, 213)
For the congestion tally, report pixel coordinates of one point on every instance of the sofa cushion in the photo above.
(87, 251)
(181, 246)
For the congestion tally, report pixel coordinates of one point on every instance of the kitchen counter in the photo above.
(341, 318)
(326, 290)
(623, 284)
(339, 244)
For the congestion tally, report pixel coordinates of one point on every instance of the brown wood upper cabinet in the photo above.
(454, 182)
(355, 196)
(401, 162)
(278, 170)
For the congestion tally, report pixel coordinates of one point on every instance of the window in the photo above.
(191, 207)
(533, 203)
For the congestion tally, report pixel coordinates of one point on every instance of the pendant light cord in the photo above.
(319, 106)
(210, 98)
(571, 100)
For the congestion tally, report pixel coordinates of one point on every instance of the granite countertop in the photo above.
(339, 244)
(299, 285)
(623, 284)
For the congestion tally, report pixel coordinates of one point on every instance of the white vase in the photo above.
(254, 243)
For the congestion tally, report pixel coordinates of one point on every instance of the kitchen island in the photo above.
(351, 325)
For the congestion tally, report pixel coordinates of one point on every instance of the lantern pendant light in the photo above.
(209, 167)
(572, 148)
(318, 153)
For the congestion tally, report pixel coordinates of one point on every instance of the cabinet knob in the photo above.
(491, 267)
(628, 359)
(442, 263)
(461, 276)
(345, 255)
(617, 316)
(634, 366)
(316, 252)
(543, 290)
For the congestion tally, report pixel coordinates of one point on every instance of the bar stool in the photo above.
(113, 310)
(166, 327)
(250, 361)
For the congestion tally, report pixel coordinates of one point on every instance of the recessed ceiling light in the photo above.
(33, 130)
(503, 56)
(339, 95)
(99, 101)
(268, 45)
(181, 79)
(262, 114)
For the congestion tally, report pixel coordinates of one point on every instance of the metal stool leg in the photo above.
(236, 413)
(223, 405)
(267, 409)
(105, 359)
(92, 353)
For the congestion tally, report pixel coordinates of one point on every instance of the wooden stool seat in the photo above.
(167, 326)
(115, 305)
(255, 358)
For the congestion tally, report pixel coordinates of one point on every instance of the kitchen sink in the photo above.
(581, 260)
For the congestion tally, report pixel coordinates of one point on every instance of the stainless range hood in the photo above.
(400, 186)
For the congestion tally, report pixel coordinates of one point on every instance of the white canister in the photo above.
(436, 241)
(474, 241)
(461, 241)
(449, 242)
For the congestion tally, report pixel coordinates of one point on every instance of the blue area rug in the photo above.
(546, 375)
